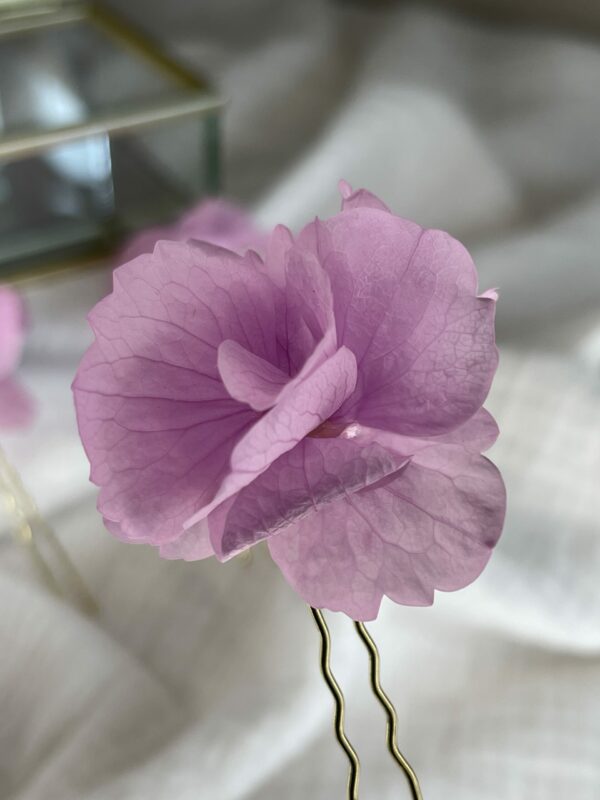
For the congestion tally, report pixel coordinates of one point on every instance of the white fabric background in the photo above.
(201, 680)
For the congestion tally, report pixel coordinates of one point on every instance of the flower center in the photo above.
(331, 430)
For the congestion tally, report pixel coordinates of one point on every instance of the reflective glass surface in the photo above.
(51, 77)
(78, 197)
(88, 194)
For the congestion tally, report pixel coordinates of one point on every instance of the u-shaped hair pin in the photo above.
(384, 700)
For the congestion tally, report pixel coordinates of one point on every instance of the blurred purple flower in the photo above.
(327, 398)
(15, 404)
(215, 221)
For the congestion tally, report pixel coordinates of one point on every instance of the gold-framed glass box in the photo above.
(101, 133)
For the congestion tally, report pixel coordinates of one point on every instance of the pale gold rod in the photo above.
(392, 719)
(31, 531)
(354, 773)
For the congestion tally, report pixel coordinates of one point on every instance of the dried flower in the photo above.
(214, 221)
(327, 398)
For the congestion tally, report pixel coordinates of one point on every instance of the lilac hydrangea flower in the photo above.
(327, 398)
(15, 404)
(215, 221)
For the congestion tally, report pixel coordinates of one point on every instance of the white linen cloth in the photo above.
(201, 680)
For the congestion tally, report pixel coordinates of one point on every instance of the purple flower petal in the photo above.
(310, 323)
(166, 441)
(155, 454)
(158, 424)
(312, 474)
(280, 429)
(249, 378)
(431, 525)
(361, 198)
(214, 221)
(477, 435)
(327, 398)
(299, 483)
(193, 545)
(279, 243)
(16, 405)
(405, 304)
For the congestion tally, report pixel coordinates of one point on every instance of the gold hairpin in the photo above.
(384, 700)
(31, 531)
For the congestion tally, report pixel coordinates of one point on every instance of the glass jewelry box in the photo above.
(101, 133)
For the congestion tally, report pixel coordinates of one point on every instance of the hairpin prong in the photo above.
(334, 688)
(392, 717)
(382, 697)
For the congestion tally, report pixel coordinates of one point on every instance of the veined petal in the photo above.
(279, 244)
(405, 303)
(157, 423)
(249, 378)
(281, 428)
(309, 317)
(327, 398)
(476, 435)
(155, 454)
(431, 525)
(302, 481)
